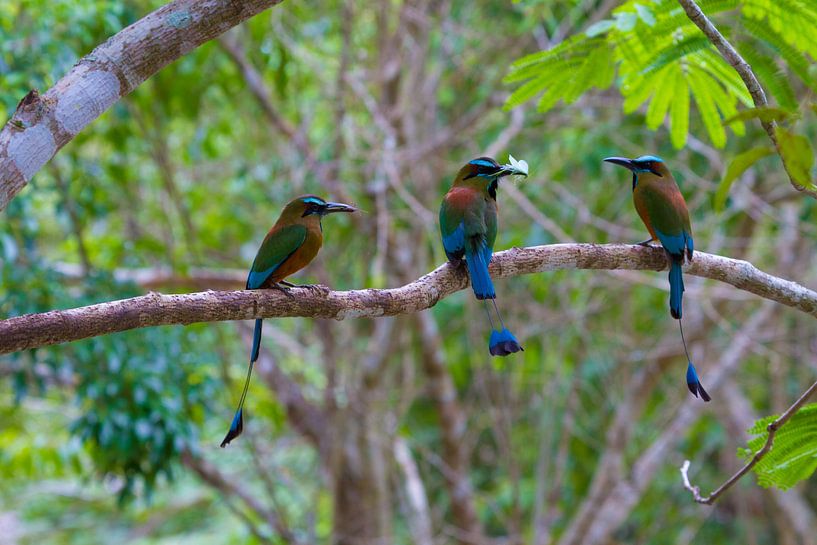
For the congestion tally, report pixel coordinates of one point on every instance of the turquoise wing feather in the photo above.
(452, 230)
(277, 247)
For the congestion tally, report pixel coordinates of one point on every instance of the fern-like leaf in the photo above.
(793, 457)
(663, 61)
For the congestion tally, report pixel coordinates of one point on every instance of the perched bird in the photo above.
(664, 212)
(468, 223)
(291, 244)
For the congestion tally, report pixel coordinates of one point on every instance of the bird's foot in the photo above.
(319, 289)
(284, 287)
(644, 242)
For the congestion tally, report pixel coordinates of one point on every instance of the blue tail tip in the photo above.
(503, 343)
(236, 427)
(694, 384)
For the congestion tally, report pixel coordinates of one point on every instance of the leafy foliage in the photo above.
(663, 59)
(740, 164)
(793, 457)
(796, 152)
(141, 394)
(97, 417)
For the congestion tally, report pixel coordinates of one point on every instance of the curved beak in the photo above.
(332, 207)
(621, 161)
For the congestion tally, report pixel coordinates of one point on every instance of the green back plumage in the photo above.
(475, 211)
(660, 199)
(278, 245)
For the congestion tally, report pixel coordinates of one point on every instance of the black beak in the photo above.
(332, 207)
(621, 161)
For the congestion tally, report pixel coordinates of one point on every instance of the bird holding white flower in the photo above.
(519, 167)
(468, 224)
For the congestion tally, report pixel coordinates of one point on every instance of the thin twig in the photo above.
(731, 55)
(767, 446)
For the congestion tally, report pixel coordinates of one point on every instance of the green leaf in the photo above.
(645, 14)
(625, 21)
(679, 117)
(700, 83)
(796, 152)
(738, 166)
(526, 91)
(601, 27)
(793, 457)
(773, 80)
(669, 81)
(675, 51)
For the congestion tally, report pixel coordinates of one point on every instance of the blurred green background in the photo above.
(396, 430)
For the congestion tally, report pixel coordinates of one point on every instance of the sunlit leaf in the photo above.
(599, 27)
(738, 166)
(679, 118)
(793, 457)
(797, 154)
(645, 14)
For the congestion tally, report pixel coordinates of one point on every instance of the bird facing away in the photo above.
(468, 224)
(291, 244)
(664, 212)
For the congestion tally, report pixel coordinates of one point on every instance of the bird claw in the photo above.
(283, 288)
(319, 289)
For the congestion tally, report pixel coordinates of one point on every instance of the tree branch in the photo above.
(58, 326)
(767, 446)
(731, 55)
(42, 125)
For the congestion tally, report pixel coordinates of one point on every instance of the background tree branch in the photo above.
(58, 326)
(731, 55)
(42, 125)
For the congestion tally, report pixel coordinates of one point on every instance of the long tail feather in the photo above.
(256, 340)
(676, 288)
(480, 278)
(237, 425)
(693, 382)
(502, 342)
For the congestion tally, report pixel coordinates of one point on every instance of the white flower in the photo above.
(519, 166)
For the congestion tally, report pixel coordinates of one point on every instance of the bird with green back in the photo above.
(662, 208)
(468, 225)
(291, 244)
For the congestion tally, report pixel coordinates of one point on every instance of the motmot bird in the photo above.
(468, 224)
(291, 244)
(662, 208)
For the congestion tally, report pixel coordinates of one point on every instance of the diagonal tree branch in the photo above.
(767, 446)
(42, 125)
(58, 326)
(731, 55)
